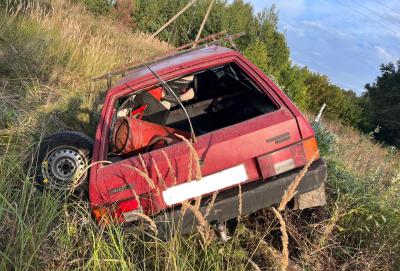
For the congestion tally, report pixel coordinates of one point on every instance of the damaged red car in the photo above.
(246, 133)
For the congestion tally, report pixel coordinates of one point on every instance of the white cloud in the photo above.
(316, 24)
(294, 7)
(290, 28)
(383, 54)
(397, 34)
(320, 26)
(287, 9)
(391, 16)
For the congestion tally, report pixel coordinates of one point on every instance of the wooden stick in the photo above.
(126, 67)
(136, 64)
(208, 38)
(204, 21)
(174, 18)
(317, 118)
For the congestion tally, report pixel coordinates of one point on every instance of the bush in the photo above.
(325, 139)
(99, 7)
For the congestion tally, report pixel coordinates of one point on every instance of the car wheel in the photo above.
(61, 162)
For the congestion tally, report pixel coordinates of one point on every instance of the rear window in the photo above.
(214, 98)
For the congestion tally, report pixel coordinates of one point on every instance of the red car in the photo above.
(245, 130)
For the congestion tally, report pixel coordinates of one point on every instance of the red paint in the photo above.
(242, 143)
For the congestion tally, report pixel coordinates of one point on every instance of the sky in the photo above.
(347, 40)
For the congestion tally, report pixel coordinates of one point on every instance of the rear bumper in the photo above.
(255, 195)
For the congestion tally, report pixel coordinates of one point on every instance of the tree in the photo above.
(382, 101)
(351, 111)
(263, 44)
(257, 53)
(275, 42)
(150, 15)
(294, 85)
(321, 91)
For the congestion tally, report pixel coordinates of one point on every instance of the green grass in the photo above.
(47, 59)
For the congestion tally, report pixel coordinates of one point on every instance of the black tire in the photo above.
(60, 162)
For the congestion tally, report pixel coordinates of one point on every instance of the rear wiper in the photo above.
(168, 88)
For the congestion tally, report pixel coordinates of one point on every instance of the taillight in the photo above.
(311, 149)
(127, 205)
(102, 215)
(121, 212)
(288, 158)
(127, 210)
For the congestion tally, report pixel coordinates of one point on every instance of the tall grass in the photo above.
(364, 189)
(48, 54)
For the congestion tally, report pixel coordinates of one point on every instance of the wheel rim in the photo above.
(64, 167)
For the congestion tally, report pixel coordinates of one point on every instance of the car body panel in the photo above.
(218, 150)
(225, 148)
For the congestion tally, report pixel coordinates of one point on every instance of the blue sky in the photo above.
(344, 39)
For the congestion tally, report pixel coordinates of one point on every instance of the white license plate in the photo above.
(208, 184)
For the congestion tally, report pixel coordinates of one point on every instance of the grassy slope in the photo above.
(47, 57)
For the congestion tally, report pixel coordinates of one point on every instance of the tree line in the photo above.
(376, 111)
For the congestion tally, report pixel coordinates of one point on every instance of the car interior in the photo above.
(214, 98)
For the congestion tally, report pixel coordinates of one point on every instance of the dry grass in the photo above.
(291, 190)
(204, 228)
(361, 154)
(194, 159)
(240, 196)
(355, 230)
(47, 58)
(211, 204)
(56, 53)
(288, 196)
(159, 176)
(285, 240)
(170, 167)
(151, 222)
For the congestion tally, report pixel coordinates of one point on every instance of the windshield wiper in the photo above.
(168, 88)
